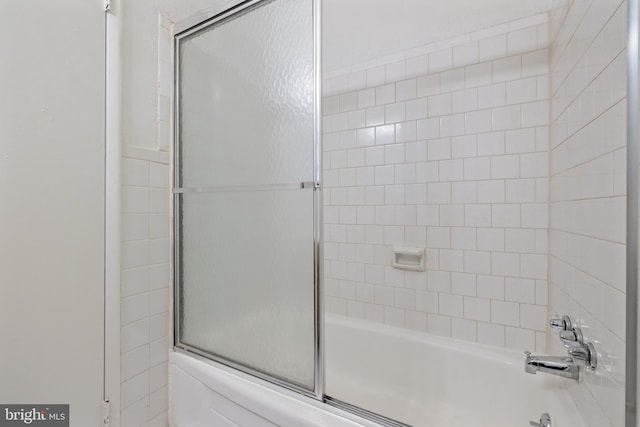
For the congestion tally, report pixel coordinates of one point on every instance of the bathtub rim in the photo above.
(190, 362)
(486, 351)
(336, 406)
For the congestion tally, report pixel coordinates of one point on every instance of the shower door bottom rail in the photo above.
(364, 413)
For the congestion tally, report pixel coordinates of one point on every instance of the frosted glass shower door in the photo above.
(246, 194)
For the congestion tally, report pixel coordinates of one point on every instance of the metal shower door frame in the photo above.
(202, 22)
(633, 135)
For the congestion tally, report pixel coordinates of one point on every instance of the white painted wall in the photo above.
(140, 55)
(51, 205)
(357, 31)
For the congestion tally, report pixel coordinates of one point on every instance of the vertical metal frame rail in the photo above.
(209, 19)
(177, 183)
(631, 369)
(318, 200)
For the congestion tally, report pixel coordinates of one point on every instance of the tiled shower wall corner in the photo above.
(587, 192)
(445, 148)
(144, 287)
(145, 265)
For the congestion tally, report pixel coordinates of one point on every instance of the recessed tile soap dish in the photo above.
(406, 258)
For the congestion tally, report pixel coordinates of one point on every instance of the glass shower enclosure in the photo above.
(247, 191)
(490, 141)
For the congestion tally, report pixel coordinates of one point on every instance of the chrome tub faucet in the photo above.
(581, 353)
(556, 365)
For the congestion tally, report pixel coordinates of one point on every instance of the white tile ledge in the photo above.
(142, 153)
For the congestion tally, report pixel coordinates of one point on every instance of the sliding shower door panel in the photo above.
(245, 191)
(248, 275)
(247, 98)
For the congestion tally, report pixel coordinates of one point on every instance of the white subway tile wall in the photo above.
(444, 147)
(144, 287)
(145, 274)
(587, 191)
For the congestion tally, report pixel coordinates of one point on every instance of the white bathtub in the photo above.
(201, 395)
(416, 378)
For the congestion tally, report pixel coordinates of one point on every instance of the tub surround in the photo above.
(587, 192)
(443, 147)
(144, 287)
(406, 163)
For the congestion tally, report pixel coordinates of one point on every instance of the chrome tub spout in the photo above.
(555, 365)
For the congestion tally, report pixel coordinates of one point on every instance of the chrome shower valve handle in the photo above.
(572, 338)
(563, 323)
(585, 355)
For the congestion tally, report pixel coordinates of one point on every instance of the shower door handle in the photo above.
(310, 184)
